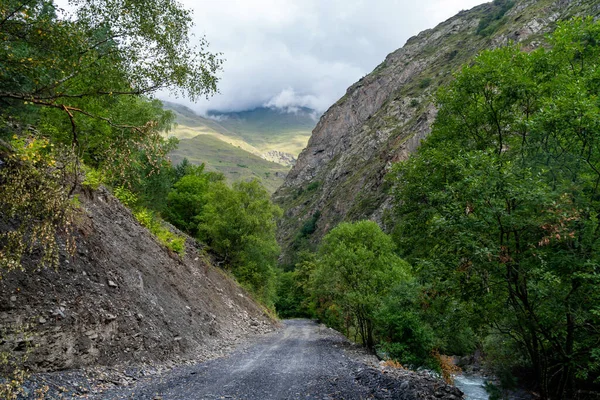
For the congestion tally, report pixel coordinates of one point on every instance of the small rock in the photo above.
(177, 338)
(110, 317)
(13, 298)
(43, 320)
(112, 284)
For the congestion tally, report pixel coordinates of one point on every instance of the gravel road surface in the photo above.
(303, 360)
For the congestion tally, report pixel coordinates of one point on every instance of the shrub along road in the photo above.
(302, 361)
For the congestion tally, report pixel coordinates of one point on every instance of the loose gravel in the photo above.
(303, 360)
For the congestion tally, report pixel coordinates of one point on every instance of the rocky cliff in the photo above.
(280, 157)
(123, 298)
(383, 117)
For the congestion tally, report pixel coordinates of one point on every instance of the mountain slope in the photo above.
(234, 162)
(262, 143)
(189, 125)
(123, 298)
(384, 116)
(257, 131)
(270, 129)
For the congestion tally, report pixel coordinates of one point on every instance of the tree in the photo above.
(356, 269)
(81, 84)
(187, 198)
(500, 205)
(239, 224)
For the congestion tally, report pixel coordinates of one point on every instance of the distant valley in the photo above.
(261, 143)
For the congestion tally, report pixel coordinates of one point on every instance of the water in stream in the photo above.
(471, 386)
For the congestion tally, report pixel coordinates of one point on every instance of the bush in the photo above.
(424, 83)
(125, 196)
(93, 178)
(313, 186)
(403, 333)
(356, 269)
(170, 240)
(488, 24)
(238, 223)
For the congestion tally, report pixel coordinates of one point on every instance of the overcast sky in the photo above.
(305, 52)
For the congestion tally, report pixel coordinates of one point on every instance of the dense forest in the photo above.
(496, 224)
(496, 218)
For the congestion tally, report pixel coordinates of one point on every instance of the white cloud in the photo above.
(291, 53)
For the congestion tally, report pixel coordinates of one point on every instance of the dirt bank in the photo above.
(124, 298)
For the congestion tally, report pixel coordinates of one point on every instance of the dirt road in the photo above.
(303, 360)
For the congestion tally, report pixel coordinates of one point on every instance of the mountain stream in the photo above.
(472, 386)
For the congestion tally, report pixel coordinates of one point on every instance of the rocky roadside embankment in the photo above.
(124, 299)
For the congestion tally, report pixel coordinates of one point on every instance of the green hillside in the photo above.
(232, 143)
(257, 131)
(233, 162)
(271, 129)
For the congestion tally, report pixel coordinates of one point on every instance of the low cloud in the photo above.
(290, 101)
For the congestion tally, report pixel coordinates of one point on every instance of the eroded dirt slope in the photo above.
(124, 298)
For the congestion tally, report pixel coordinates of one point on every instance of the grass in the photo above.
(268, 129)
(233, 146)
(235, 163)
(257, 131)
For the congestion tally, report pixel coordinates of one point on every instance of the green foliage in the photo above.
(80, 84)
(239, 224)
(294, 289)
(126, 196)
(93, 179)
(490, 22)
(155, 225)
(356, 269)
(311, 225)
(313, 186)
(34, 203)
(499, 207)
(424, 83)
(405, 336)
(186, 199)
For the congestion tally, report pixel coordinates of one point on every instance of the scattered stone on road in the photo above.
(302, 361)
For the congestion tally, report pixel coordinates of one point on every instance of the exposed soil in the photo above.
(124, 298)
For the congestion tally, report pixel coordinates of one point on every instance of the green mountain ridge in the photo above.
(269, 128)
(234, 162)
(259, 143)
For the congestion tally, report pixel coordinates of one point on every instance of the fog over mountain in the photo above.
(288, 54)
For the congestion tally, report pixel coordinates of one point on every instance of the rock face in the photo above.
(123, 298)
(384, 116)
(280, 157)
